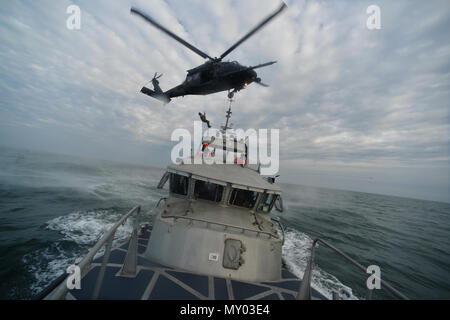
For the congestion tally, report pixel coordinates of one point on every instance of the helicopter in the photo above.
(212, 76)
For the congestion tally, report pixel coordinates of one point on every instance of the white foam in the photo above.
(47, 264)
(83, 229)
(87, 227)
(296, 253)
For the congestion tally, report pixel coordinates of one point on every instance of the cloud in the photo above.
(339, 92)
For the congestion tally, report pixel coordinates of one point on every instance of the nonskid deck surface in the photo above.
(157, 282)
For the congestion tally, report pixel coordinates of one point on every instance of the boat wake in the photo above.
(80, 231)
(296, 253)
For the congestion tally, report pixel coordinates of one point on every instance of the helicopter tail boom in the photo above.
(157, 92)
(161, 96)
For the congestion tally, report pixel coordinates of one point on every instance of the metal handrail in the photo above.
(153, 211)
(86, 262)
(159, 201)
(222, 224)
(304, 292)
(281, 227)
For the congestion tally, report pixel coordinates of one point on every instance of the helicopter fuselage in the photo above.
(212, 77)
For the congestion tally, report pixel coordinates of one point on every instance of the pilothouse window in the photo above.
(179, 184)
(243, 198)
(267, 202)
(208, 191)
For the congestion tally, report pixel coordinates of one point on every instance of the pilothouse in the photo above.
(218, 217)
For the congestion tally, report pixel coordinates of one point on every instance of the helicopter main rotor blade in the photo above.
(258, 81)
(262, 65)
(254, 30)
(262, 84)
(169, 33)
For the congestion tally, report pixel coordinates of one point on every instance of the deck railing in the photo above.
(85, 264)
(224, 225)
(59, 289)
(281, 228)
(305, 287)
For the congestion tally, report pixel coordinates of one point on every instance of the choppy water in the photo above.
(53, 208)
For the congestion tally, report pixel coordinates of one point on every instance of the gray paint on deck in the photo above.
(157, 282)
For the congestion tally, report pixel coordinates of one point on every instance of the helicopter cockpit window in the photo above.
(267, 201)
(243, 198)
(208, 191)
(191, 77)
(179, 184)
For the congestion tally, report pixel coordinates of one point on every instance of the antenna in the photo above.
(228, 116)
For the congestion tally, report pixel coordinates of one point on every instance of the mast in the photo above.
(224, 130)
(228, 116)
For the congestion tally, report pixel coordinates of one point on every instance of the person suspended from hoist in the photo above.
(203, 118)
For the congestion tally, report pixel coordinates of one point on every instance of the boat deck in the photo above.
(157, 282)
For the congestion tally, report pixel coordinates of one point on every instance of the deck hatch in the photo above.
(232, 254)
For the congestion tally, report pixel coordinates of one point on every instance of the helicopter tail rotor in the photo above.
(155, 83)
(157, 92)
(156, 76)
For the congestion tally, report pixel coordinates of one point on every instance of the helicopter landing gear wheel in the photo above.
(231, 93)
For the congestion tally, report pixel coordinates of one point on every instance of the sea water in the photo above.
(54, 208)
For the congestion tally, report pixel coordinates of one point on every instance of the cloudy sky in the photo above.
(357, 109)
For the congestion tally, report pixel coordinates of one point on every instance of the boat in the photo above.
(212, 238)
